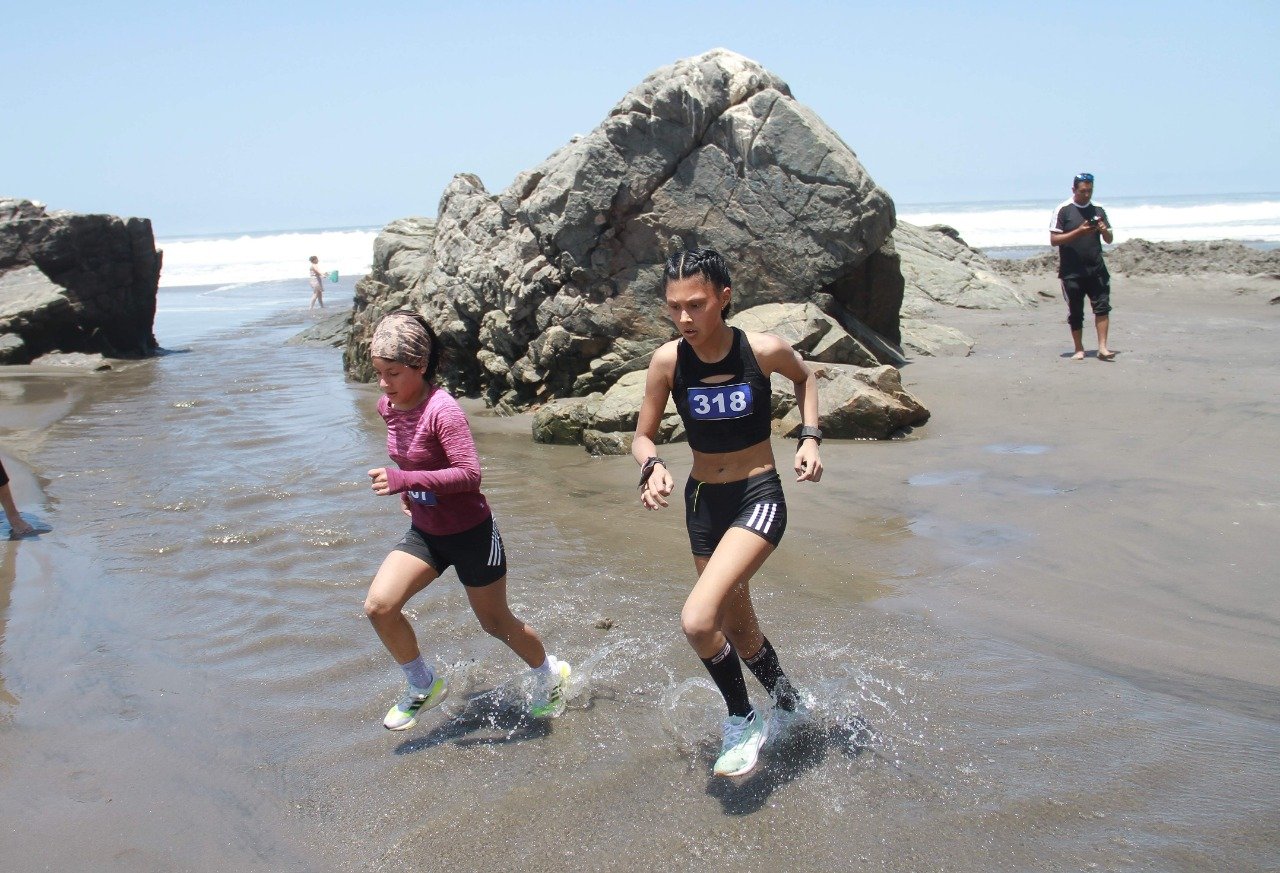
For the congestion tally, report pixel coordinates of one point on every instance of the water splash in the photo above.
(691, 713)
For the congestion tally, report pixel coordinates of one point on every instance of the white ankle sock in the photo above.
(418, 673)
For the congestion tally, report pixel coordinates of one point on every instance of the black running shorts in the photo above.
(477, 553)
(756, 504)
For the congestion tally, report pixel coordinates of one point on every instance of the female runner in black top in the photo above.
(734, 507)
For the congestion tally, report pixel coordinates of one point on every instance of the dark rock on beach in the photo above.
(75, 283)
(1139, 257)
(331, 330)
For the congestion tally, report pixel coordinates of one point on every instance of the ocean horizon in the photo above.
(1002, 227)
(1008, 228)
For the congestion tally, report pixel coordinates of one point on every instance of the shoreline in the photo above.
(1167, 443)
(38, 396)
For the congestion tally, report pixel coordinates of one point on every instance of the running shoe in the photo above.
(404, 714)
(743, 737)
(549, 690)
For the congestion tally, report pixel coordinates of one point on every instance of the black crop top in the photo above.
(723, 416)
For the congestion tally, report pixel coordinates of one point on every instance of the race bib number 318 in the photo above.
(715, 402)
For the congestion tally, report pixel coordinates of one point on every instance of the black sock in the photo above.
(764, 664)
(726, 672)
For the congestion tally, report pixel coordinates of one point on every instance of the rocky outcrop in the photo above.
(402, 258)
(940, 270)
(810, 331)
(551, 288)
(75, 283)
(853, 403)
(1139, 257)
(858, 399)
(331, 330)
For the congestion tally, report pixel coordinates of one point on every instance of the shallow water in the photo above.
(188, 681)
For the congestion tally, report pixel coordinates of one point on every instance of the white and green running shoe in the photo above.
(740, 749)
(550, 691)
(404, 714)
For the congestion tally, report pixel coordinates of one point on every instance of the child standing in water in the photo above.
(317, 284)
(734, 507)
(438, 476)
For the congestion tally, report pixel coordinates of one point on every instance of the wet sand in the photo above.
(1146, 485)
(1040, 632)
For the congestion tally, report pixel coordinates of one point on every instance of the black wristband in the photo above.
(647, 469)
(809, 432)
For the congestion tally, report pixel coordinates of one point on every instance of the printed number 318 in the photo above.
(736, 401)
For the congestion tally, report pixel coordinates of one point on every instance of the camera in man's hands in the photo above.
(1095, 221)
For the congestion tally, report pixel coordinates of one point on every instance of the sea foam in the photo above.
(1026, 223)
(264, 257)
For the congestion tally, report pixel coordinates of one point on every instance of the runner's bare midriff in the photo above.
(721, 467)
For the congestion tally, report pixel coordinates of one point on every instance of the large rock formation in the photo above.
(551, 291)
(552, 288)
(75, 283)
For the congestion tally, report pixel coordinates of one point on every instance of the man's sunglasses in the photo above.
(1084, 177)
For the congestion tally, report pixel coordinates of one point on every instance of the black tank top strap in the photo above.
(750, 366)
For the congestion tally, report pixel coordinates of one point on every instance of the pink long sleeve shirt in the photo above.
(432, 445)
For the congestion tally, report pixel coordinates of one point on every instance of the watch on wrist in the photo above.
(809, 432)
(647, 469)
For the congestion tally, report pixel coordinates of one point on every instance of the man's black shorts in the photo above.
(1096, 287)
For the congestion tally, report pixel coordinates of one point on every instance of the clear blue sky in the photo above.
(276, 115)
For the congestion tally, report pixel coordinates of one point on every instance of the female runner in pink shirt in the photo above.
(438, 478)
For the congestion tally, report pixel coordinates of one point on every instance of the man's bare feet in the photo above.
(1078, 356)
(1104, 355)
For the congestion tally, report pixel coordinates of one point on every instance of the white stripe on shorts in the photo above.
(762, 515)
(495, 548)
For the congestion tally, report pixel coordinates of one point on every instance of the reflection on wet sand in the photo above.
(8, 573)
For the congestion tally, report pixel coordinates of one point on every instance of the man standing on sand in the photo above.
(1078, 229)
